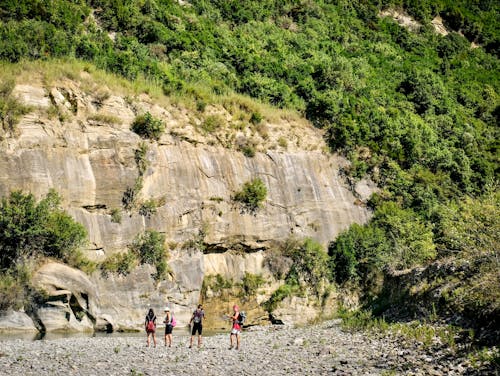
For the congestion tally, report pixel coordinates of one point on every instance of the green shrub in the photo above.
(279, 295)
(120, 263)
(306, 266)
(212, 123)
(252, 194)
(357, 251)
(12, 290)
(150, 248)
(148, 208)
(140, 156)
(251, 283)
(215, 283)
(309, 264)
(148, 126)
(10, 108)
(37, 229)
(248, 151)
(116, 215)
(255, 118)
(283, 142)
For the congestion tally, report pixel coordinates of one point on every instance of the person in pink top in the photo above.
(236, 328)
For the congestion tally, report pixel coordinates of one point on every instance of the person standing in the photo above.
(234, 337)
(150, 326)
(168, 327)
(197, 321)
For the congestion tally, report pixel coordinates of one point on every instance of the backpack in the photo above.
(197, 316)
(172, 321)
(242, 317)
(150, 327)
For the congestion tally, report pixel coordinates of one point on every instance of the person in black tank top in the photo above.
(197, 325)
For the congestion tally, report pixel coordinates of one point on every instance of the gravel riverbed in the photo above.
(323, 349)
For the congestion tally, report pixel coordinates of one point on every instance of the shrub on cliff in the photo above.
(396, 238)
(306, 270)
(31, 228)
(151, 249)
(252, 195)
(147, 126)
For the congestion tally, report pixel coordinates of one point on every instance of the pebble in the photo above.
(323, 349)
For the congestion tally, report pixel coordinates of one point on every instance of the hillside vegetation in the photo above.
(416, 111)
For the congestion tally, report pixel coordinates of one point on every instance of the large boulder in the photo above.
(71, 298)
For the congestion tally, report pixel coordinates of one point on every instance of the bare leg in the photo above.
(237, 341)
(199, 340)
(154, 338)
(191, 342)
(148, 339)
(231, 341)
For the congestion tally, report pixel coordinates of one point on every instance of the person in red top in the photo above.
(236, 328)
(150, 326)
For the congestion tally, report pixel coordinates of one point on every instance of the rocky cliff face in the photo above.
(77, 139)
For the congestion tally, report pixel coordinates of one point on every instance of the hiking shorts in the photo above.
(236, 331)
(168, 329)
(197, 327)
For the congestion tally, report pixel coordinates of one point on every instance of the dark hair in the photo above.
(151, 314)
(200, 306)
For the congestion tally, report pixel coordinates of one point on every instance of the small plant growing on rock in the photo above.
(148, 208)
(120, 263)
(212, 123)
(116, 215)
(250, 284)
(252, 195)
(255, 118)
(150, 248)
(10, 108)
(148, 126)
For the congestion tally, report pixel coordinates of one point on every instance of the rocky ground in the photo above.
(320, 349)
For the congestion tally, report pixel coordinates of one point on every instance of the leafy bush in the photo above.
(148, 208)
(116, 215)
(252, 194)
(120, 263)
(10, 108)
(150, 248)
(309, 263)
(255, 118)
(215, 283)
(250, 284)
(148, 126)
(36, 229)
(306, 267)
(211, 123)
(396, 239)
(283, 292)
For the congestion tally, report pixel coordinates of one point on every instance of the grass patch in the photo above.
(10, 108)
(212, 123)
(105, 119)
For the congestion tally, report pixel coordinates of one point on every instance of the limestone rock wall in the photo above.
(87, 154)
